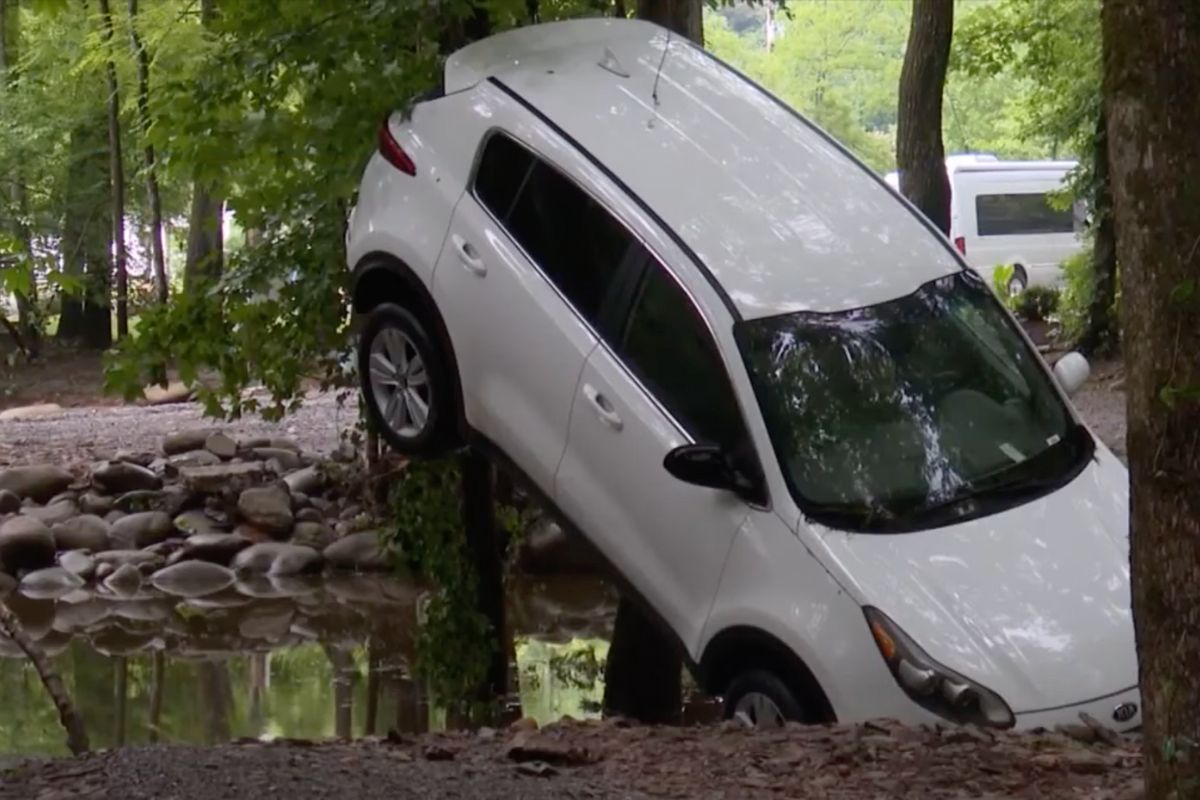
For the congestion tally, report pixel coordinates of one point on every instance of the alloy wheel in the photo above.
(757, 710)
(400, 383)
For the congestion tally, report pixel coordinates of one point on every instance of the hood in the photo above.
(1032, 602)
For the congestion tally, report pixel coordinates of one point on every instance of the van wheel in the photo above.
(402, 375)
(762, 700)
(1018, 282)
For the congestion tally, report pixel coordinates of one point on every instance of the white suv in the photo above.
(758, 382)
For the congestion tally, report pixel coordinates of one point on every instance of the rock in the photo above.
(79, 562)
(359, 551)
(125, 580)
(118, 477)
(142, 458)
(288, 460)
(309, 515)
(259, 558)
(221, 446)
(85, 532)
(309, 480)
(7, 584)
(344, 453)
(316, 535)
(295, 560)
(211, 480)
(112, 516)
(139, 501)
(79, 610)
(30, 412)
(270, 622)
(95, 503)
(173, 392)
(61, 497)
(53, 514)
(37, 482)
(216, 548)
(300, 502)
(141, 530)
(50, 583)
(186, 441)
(253, 534)
(26, 544)
(196, 458)
(193, 579)
(269, 508)
(254, 442)
(9, 502)
(283, 444)
(547, 550)
(176, 498)
(195, 522)
(166, 548)
(136, 558)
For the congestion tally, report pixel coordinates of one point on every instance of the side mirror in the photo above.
(709, 465)
(1072, 371)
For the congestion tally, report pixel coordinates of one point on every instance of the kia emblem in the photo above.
(1125, 712)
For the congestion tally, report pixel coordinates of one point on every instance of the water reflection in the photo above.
(310, 659)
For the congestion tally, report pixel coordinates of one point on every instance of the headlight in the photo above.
(932, 686)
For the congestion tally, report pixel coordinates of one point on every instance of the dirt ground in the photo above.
(608, 760)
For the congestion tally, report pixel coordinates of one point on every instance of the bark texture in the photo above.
(920, 152)
(1101, 333)
(150, 161)
(643, 677)
(1151, 83)
(117, 173)
(206, 224)
(483, 544)
(685, 17)
(87, 239)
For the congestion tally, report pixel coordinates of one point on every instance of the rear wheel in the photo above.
(761, 699)
(1018, 282)
(404, 382)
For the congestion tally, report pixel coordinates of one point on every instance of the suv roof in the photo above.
(772, 207)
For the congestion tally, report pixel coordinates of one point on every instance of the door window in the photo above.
(577, 244)
(1021, 214)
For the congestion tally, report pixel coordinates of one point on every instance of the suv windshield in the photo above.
(911, 414)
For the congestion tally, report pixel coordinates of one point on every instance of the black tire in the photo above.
(437, 434)
(1019, 281)
(769, 685)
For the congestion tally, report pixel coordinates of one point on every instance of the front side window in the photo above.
(914, 413)
(1021, 215)
(577, 244)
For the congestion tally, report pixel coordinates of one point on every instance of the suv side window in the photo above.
(577, 244)
(669, 348)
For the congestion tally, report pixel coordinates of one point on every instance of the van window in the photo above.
(575, 242)
(1020, 214)
(668, 346)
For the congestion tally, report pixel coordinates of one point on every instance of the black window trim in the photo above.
(617, 305)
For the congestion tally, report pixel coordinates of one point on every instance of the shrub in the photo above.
(1036, 304)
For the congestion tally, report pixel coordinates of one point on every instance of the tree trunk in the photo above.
(157, 688)
(206, 224)
(1100, 331)
(479, 522)
(1151, 82)
(643, 676)
(920, 154)
(157, 254)
(684, 17)
(77, 739)
(117, 176)
(87, 251)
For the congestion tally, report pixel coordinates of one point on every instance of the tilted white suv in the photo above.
(759, 383)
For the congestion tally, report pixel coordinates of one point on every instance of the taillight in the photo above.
(391, 150)
(960, 244)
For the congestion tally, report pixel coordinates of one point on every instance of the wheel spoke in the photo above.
(417, 407)
(397, 349)
(382, 370)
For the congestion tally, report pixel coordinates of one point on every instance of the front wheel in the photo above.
(402, 375)
(761, 699)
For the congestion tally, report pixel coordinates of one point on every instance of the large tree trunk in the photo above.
(117, 173)
(1100, 332)
(685, 17)
(206, 224)
(920, 154)
(157, 255)
(643, 676)
(1151, 84)
(86, 248)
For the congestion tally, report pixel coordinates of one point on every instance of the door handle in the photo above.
(604, 409)
(469, 256)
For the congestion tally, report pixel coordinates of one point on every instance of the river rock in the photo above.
(137, 559)
(7, 584)
(54, 513)
(295, 559)
(287, 460)
(196, 458)
(62, 497)
(26, 544)
(547, 550)
(118, 477)
(309, 480)
(260, 557)
(142, 458)
(283, 444)
(212, 480)
(39, 411)
(124, 580)
(216, 548)
(50, 583)
(85, 532)
(173, 392)
(95, 503)
(112, 516)
(79, 610)
(253, 534)
(117, 641)
(313, 534)
(186, 441)
(268, 507)
(79, 562)
(220, 445)
(196, 521)
(308, 514)
(139, 500)
(358, 551)
(37, 482)
(193, 579)
(141, 530)
(270, 622)
(9, 502)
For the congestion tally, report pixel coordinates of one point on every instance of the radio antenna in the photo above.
(661, 62)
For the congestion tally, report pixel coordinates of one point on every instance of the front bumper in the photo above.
(1121, 711)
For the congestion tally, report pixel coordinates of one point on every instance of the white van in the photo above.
(1002, 213)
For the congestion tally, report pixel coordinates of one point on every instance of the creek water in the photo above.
(304, 658)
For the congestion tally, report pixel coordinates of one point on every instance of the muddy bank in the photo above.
(609, 760)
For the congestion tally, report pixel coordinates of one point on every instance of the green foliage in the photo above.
(1036, 303)
(1001, 275)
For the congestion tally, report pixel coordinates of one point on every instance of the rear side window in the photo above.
(578, 245)
(1020, 214)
